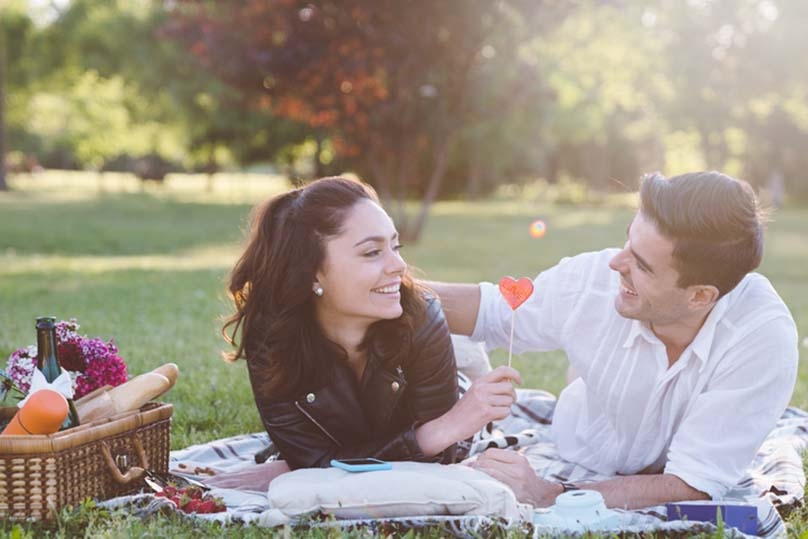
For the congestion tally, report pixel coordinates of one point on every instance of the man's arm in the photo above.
(461, 302)
(637, 491)
(624, 492)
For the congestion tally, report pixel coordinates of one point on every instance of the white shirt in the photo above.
(701, 420)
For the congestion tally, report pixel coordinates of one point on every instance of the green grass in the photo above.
(147, 266)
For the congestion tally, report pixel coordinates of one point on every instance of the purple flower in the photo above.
(92, 363)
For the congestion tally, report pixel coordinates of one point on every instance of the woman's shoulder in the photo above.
(433, 319)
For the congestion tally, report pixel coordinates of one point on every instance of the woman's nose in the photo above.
(396, 263)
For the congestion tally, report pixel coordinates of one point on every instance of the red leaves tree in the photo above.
(389, 82)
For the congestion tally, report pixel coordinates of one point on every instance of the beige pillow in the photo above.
(409, 489)
(471, 357)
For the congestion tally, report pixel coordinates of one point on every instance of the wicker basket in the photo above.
(40, 474)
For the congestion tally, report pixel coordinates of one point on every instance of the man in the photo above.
(685, 360)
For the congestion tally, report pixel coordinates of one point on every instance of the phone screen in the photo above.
(360, 462)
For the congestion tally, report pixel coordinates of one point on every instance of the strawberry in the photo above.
(194, 492)
(207, 506)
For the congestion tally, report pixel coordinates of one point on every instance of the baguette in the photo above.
(128, 396)
(138, 391)
(170, 371)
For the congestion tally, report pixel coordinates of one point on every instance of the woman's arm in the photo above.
(489, 398)
(434, 377)
(305, 442)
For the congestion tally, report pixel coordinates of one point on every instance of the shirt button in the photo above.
(310, 397)
(394, 386)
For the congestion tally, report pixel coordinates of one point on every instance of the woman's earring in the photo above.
(318, 290)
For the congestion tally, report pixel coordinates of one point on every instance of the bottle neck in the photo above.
(46, 359)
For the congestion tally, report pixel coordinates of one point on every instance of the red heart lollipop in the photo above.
(514, 291)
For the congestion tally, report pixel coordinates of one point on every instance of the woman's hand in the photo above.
(489, 398)
(256, 477)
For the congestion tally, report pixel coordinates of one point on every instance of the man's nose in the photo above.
(619, 262)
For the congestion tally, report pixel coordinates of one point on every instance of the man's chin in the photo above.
(623, 310)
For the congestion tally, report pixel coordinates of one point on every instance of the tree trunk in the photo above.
(318, 158)
(210, 169)
(3, 183)
(475, 171)
(441, 164)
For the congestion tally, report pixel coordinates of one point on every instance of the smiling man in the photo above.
(684, 358)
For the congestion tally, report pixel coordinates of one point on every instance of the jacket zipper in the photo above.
(317, 423)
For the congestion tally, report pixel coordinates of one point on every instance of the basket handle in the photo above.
(135, 472)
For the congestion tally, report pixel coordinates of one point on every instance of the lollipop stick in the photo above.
(510, 346)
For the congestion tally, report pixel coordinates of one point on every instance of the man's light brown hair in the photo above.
(714, 221)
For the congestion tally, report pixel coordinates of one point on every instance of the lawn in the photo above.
(147, 266)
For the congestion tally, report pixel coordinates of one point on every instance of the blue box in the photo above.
(736, 515)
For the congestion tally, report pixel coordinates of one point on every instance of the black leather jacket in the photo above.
(376, 417)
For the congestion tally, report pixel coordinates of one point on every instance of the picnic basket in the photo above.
(40, 474)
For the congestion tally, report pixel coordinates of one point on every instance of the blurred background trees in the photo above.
(424, 99)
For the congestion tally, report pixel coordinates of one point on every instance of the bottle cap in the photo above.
(45, 322)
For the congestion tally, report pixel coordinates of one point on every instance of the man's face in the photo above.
(648, 290)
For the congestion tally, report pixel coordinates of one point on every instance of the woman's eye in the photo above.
(398, 247)
(372, 253)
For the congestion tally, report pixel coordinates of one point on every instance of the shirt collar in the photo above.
(640, 329)
(701, 344)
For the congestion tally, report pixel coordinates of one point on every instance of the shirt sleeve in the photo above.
(538, 322)
(722, 431)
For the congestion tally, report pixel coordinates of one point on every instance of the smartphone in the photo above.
(361, 464)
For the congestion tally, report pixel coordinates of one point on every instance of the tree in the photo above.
(390, 82)
(3, 184)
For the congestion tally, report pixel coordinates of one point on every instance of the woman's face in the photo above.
(362, 270)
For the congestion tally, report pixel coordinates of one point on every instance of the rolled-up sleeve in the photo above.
(538, 321)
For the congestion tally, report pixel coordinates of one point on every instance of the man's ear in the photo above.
(703, 296)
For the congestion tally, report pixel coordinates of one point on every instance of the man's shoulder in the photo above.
(589, 269)
(593, 260)
(755, 302)
(755, 290)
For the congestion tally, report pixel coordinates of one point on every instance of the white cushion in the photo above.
(471, 357)
(409, 489)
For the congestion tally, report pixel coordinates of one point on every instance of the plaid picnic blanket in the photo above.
(774, 484)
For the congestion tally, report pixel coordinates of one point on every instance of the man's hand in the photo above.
(515, 471)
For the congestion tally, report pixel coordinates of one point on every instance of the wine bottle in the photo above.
(47, 361)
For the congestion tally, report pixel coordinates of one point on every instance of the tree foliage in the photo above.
(422, 98)
(394, 84)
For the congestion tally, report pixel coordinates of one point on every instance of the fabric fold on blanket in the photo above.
(775, 479)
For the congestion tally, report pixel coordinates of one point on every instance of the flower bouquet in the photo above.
(91, 362)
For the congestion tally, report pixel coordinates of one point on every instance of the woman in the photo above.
(347, 356)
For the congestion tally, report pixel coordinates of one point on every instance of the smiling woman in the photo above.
(347, 356)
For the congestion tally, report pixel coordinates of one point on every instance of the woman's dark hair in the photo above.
(274, 326)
